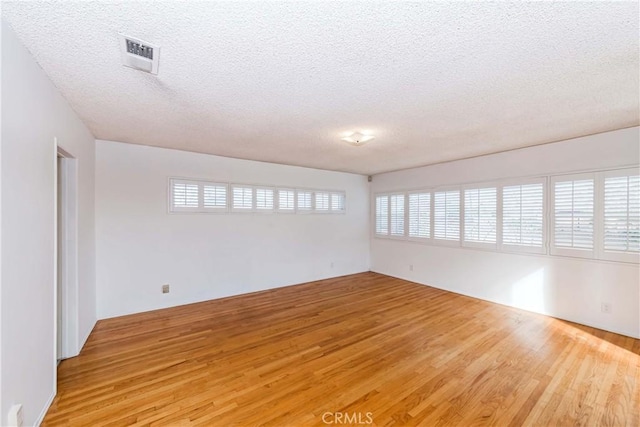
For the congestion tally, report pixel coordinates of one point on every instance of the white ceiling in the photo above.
(282, 81)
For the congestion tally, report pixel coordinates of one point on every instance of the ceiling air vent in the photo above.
(139, 54)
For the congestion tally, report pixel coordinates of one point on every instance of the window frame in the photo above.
(571, 251)
(514, 248)
(278, 208)
(463, 216)
(234, 209)
(408, 216)
(375, 216)
(601, 253)
(440, 241)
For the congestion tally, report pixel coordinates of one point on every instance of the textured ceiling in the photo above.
(282, 82)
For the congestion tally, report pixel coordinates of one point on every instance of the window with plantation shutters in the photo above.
(396, 214)
(304, 201)
(264, 199)
(382, 215)
(286, 200)
(446, 215)
(214, 196)
(480, 216)
(185, 195)
(523, 217)
(337, 202)
(573, 203)
(420, 215)
(621, 231)
(242, 198)
(322, 201)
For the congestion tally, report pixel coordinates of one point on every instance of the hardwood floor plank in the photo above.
(407, 354)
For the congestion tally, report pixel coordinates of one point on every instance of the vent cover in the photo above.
(138, 54)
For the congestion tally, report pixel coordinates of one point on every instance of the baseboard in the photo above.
(45, 409)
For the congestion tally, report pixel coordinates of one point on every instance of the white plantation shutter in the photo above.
(523, 217)
(185, 196)
(304, 201)
(397, 214)
(446, 215)
(337, 202)
(322, 201)
(573, 215)
(286, 200)
(264, 199)
(382, 215)
(420, 215)
(621, 240)
(242, 198)
(480, 215)
(214, 196)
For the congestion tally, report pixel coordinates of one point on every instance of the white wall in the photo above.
(203, 256)
(33, 114)
(568, 288)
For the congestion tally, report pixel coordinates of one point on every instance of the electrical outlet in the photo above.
(15, 417)
(165, 289)
(410, 267)
(605, 307)
(331, 264)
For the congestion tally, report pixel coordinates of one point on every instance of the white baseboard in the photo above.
(44, 410)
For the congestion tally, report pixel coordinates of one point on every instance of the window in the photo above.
(420, 215)
(573, 215)
(264, 199)
(621, 237)
(214, 196)
(382, 215)
(337, 202)
(523, 217)
(480, 216)
(184, 195)
(322, 201)
(304, 201)
(446, 221)
(242, 198)
(397, 214)
(286, 200)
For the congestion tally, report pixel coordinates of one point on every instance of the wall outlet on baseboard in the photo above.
(605, 307)
(165, 288)
(15, 418)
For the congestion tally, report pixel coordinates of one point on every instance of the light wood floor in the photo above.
(404, 353)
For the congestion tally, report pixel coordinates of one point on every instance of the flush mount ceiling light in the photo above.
(357, 138)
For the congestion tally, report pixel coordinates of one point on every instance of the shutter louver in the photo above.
(185, 195)
(264, 199)
(215, 196)
(573, 214)
(446, 221)
(337, 202)
(382, 215)
(322, 201)
(622, 214)
(397, 215)
(523, 215)
(242, 198)
(420, 215)
(304, 200)
(480, 215)
(286, 200)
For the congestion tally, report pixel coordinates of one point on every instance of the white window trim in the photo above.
(481, 245)
(402, 236)
(507, 247)
(563, 251)
(232, 199)
(375, 216)
(343, 194)
(315, 207)
(446, 242)
(626, 257)
(312, 205)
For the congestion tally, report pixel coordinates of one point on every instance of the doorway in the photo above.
(66, 289)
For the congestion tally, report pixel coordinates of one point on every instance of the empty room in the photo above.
(320, 213)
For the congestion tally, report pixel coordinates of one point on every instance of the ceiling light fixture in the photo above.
(357, 138)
